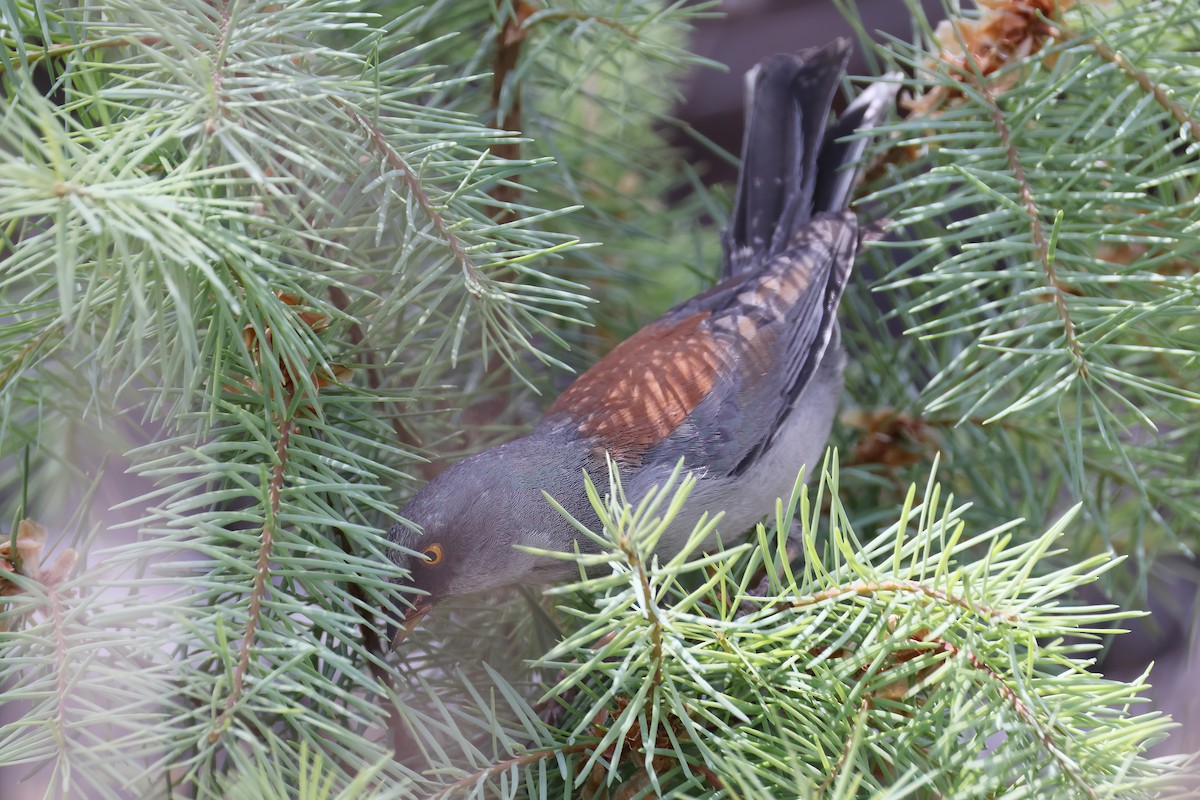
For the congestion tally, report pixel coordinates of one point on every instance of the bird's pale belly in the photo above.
(748, 498)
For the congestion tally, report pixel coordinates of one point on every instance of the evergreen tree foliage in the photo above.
(266, 266)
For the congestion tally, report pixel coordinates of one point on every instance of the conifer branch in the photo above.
(866, 589)
(443, 229)
(1043, 734)
(227, 9)
(1041, 241)
(500, 767)
(262, 573)
(1139, 76)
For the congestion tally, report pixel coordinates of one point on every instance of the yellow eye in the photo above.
(433, 555)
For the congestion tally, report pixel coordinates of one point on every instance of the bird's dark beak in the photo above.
(412, 617)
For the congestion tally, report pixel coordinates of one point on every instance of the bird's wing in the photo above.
(644, 389)
(714, 378)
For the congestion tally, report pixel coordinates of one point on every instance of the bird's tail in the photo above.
(792, 167)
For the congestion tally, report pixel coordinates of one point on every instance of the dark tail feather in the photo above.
(838, 161)
(791, 166)
(787, 103)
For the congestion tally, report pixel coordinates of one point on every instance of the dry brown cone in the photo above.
(335, 374)
(890, 438)
(26, 560)
(1127, 253)
(1006, 31)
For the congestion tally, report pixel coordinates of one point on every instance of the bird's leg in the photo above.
(794, 550)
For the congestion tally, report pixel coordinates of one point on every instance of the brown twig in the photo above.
(1160, 95)
(656, 653)
(868, 588)
(503, 766)
(393, 157)
(713, 781)
(1018, 705)
(262, 572)
(1040, 240)
(509, 38)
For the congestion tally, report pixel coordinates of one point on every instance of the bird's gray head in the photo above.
(472, 517)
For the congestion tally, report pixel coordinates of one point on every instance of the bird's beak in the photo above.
(412, 617)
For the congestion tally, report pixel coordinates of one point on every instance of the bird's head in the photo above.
(467, 523)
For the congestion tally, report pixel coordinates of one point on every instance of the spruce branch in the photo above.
(1040, 240)
(227, 217)
(1044, 734)
(1042, 186)
(478, 778)
(1160, 94)
(874, 588)
(262, 572)
(393, 157)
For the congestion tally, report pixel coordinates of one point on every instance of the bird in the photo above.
(741, 382)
